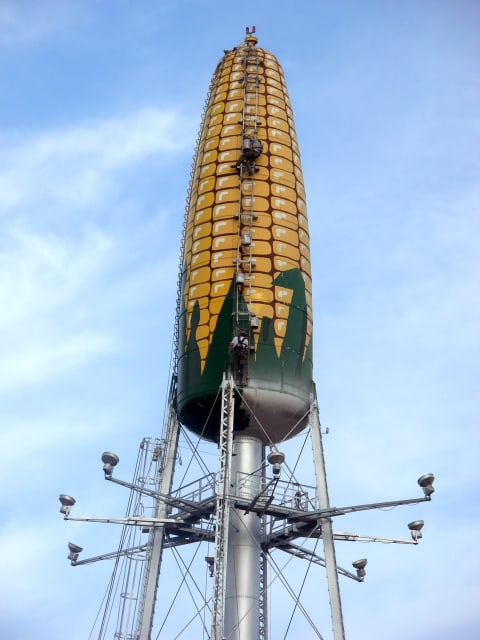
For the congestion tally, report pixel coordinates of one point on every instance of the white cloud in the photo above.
(40, 363)
(41, 285)
(59, 281)
(77, 167)
(42, 271)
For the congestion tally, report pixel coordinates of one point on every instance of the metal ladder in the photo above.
(244, 260)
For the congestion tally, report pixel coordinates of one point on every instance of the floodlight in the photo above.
(210, 560)
(276, 458)
(67, 503)
(416, 529)
(74, 551)
(110, 460)
(426, 482)
(360, 565)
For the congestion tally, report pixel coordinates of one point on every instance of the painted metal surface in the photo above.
(242, 597)
(246, 263)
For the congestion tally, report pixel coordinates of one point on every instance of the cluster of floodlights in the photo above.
(276, 459)
(110, 460)
(359, 565)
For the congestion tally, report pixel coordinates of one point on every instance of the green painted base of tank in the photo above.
(278, 376)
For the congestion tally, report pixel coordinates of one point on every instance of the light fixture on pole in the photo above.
(416, 529)
(74, 550)
(360, 565)
(210, 560)
(67, 503)
(276, 459)
(110, 460)
(426, 482)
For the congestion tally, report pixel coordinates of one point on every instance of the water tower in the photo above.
(241, 376)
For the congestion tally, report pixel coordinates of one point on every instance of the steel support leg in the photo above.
(326, 523)
(155, 550)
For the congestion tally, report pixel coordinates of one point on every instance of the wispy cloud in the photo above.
(40, 363)
(42, 271)
(78, 167)
(42, 281)
(50, 271)
(73, 281)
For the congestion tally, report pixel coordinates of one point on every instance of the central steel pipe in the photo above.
(242, 599)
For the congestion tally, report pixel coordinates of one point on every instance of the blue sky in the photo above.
(100, 107)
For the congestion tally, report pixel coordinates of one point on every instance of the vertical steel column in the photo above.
(326, 523)
(155, 550)
(263, 617)
(242, 600)
(222, 518)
